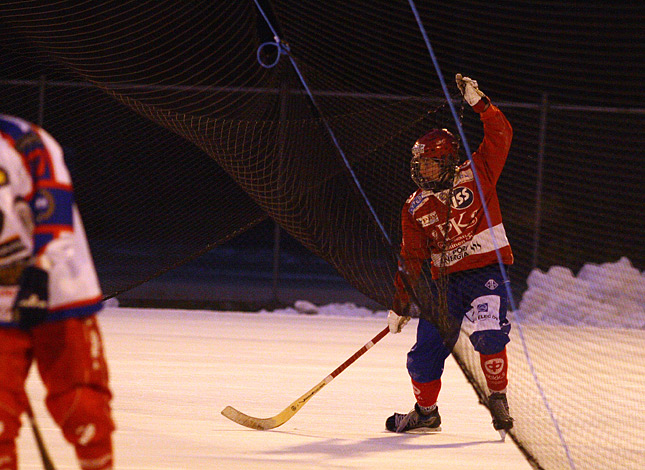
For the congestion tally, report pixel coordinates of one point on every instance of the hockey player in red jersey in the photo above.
(444, 222)
(49, 298)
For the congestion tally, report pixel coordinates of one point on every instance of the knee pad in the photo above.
(425, 360)
(83, 415)
(490, 341)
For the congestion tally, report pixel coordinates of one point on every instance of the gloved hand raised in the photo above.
(471, 93)
(396, 322)
(30, 306)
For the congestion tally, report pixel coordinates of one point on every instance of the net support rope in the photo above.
(490, 228)
(283, 49)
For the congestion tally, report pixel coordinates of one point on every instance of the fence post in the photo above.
(538, 189)
(41, 100)
(284, 90)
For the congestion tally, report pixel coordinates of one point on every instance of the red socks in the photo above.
(426, 393)
(495, 367)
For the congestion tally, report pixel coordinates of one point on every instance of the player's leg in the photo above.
(15, 358)
(71, 362)
(425, 366)
(488, 330)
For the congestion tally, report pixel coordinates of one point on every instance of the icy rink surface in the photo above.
(173, 371)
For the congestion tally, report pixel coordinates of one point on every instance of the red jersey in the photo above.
(468, 242)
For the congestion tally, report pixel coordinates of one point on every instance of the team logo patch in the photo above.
(494, 366)
(44, 204)
(491, 284)
(4, 177)
(482, 308)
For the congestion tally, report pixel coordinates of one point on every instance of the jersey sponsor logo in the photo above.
(464, 177)
(478, 243)
(491, 284)
(481, 313)
(459, 240)
(460, 253)
(459, 224)
(442, 196)
(462, 198)
(428, 219)
(11, 246)
(417, 201)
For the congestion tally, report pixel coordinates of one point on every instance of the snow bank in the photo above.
(605, 295)
(347, 309)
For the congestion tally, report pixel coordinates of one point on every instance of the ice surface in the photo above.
(173, 371)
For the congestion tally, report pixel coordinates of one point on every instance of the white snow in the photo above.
(606, 295)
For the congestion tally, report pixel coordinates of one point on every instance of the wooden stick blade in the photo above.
(285, 415)
(261, 424)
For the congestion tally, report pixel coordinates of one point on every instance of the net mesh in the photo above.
(181, 136)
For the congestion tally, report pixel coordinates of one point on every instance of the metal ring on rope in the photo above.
(282, 48)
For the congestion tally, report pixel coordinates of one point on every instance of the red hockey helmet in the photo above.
(434, 160)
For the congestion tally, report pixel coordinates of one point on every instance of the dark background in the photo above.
(584, 59)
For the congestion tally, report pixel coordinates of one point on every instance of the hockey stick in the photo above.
(285, 415)
(44, 455)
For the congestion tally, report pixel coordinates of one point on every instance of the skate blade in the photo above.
(424, 430)
(502, 434)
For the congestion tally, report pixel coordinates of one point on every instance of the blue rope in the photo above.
(286, 51)
(283, 49)
(490, 225)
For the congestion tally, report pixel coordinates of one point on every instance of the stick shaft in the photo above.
(44, 455)
(286, 414)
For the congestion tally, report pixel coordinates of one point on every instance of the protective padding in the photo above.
(427, 357)
(83, 415)
(495, 368)
(490, 341)
(9, 427)
(426, 393)
(8, 456)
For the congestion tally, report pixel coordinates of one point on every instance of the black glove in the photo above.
(30, 307)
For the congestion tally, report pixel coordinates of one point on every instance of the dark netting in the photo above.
(180, 140)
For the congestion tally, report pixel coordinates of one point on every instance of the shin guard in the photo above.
(426, 393)
(9, 426)
(85, 419)
(495, 367)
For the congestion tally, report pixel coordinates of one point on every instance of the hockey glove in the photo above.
(396, 322)
(471, 93)
(30, 306)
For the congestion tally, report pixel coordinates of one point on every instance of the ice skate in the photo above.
(502, 420)
(416, 421)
